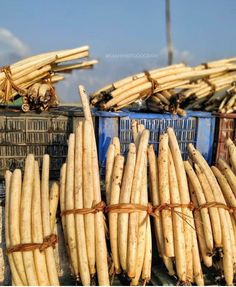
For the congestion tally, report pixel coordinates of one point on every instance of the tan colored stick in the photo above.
(14, 222)
(51, 264)
(225, 187)
(147, 264)
(69, 204)
(53, 203)
(232, 153)
(14, 273)
(109, 168)
(156, 201)
(37, 230)
(25, 219)
(113, 217)
(207, 259)
(178, 227)
(199, 193)
(88, 195)
(184, 196)
(228, 173)
(142, 228)
(116, 143)
(79, 218)
(135, 196)
(227, 258)
(125, 195)
(101, 248)
(164, 192)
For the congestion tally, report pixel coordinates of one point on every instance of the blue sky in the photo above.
(126, 36)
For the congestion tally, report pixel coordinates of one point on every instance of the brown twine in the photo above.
(215, 204)
(153, 82)
(96, 208)
(209, 83)
(48, 241)
(149, 208)
(9, 83)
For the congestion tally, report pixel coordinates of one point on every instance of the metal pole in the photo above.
(168, 34)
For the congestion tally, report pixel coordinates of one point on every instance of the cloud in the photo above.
(11, 47)
(179, 56)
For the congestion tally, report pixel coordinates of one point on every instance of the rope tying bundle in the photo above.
(99, 207)
(49, 241)
(215, 204)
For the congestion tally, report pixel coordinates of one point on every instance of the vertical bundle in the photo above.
(29, 235)
(174, 224)
(217, 192)
(81, 205)
(127, 199)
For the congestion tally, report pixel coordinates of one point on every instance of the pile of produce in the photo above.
(215, 222)
(176, 88)
(127, 200)
(33, 77)
(174, 225)
(81, 205)
(29, 225)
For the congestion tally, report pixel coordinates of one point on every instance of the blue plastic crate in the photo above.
(196, 128)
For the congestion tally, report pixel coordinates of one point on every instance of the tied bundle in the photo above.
(33, 77)
(81, 205)
(127, 200)
(176, 88)
(212, 191)
(174, 226)
(30, 222)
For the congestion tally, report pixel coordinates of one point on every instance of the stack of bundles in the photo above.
(17, 78)
(214, 201)
(175, 88)
(127, 200)
(30, 222)
(81, 205)
(174, 225)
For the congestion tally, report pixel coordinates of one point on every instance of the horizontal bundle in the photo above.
(127, 201)
(81, 205)
(17, 78)
(30, 222)
(176, 88)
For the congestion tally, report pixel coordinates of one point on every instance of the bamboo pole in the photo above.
(201, 200)
(88, 195)
(184, 196)
(142, 228)
(53, 203)
(79, 218)
(14, 224)
(213, 211)
(113, 217)
(156, 201)
(206, 256)
(125, 196)
(69, 204)
(14, 273)
(227, 258)
(37, 230)
(25, 219)
(178, 227)
(51, 264)
(228, 173)
(164, 192)
(135, 196)
(101, 249)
